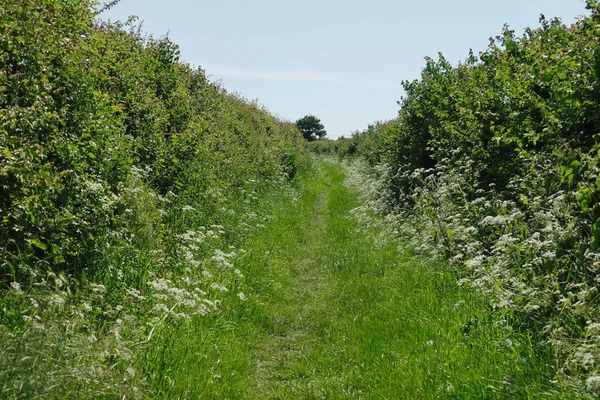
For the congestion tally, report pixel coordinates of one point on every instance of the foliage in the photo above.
(82, 103)
(121, 167)
(338, 147)
(495, 162)
(311, 128)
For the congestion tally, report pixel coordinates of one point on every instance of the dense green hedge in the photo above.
(82, 104)
(498, 158)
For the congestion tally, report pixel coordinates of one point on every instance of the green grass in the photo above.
(335, 310)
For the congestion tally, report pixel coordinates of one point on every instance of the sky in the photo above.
(342, 61)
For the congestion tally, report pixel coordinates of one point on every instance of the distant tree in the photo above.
(311, 128)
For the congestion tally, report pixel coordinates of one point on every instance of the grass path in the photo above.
(350, 317)
(336, 312)
(288, 340)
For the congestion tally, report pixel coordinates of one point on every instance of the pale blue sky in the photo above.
(342, 61)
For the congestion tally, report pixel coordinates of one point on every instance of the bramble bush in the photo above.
(493, 164)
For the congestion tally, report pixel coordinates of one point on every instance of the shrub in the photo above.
(495, 161)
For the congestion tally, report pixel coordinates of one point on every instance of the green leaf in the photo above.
(38, 244)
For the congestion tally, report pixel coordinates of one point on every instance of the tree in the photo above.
(311, 128)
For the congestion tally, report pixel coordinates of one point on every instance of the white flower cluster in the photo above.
(161, 266)
(509, 248)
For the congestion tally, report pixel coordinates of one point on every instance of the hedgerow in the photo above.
(123, 172)
(83, 102)
(494, 165)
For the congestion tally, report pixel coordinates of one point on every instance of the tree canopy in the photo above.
(311, 128)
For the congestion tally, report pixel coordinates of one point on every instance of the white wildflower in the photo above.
(203, 309)
(498, 220)
(160, 284)
(219, 287)
(213, 304)
(16, 287)
(222, 258)
(188, 302)
(476, 262)
(242, 296)
(135, 293)
(592, 383)
(98, 288)
(593, 327)
(471, 230)
(56, 300)
(585, 358)
(161, 307)
(458, 258)
(505, 241)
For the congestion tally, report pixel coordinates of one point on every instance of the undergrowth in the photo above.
(129, 184)
(492, 165)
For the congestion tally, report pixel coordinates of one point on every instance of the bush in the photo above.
(125, 178)
(83, 102)
(495, 161)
